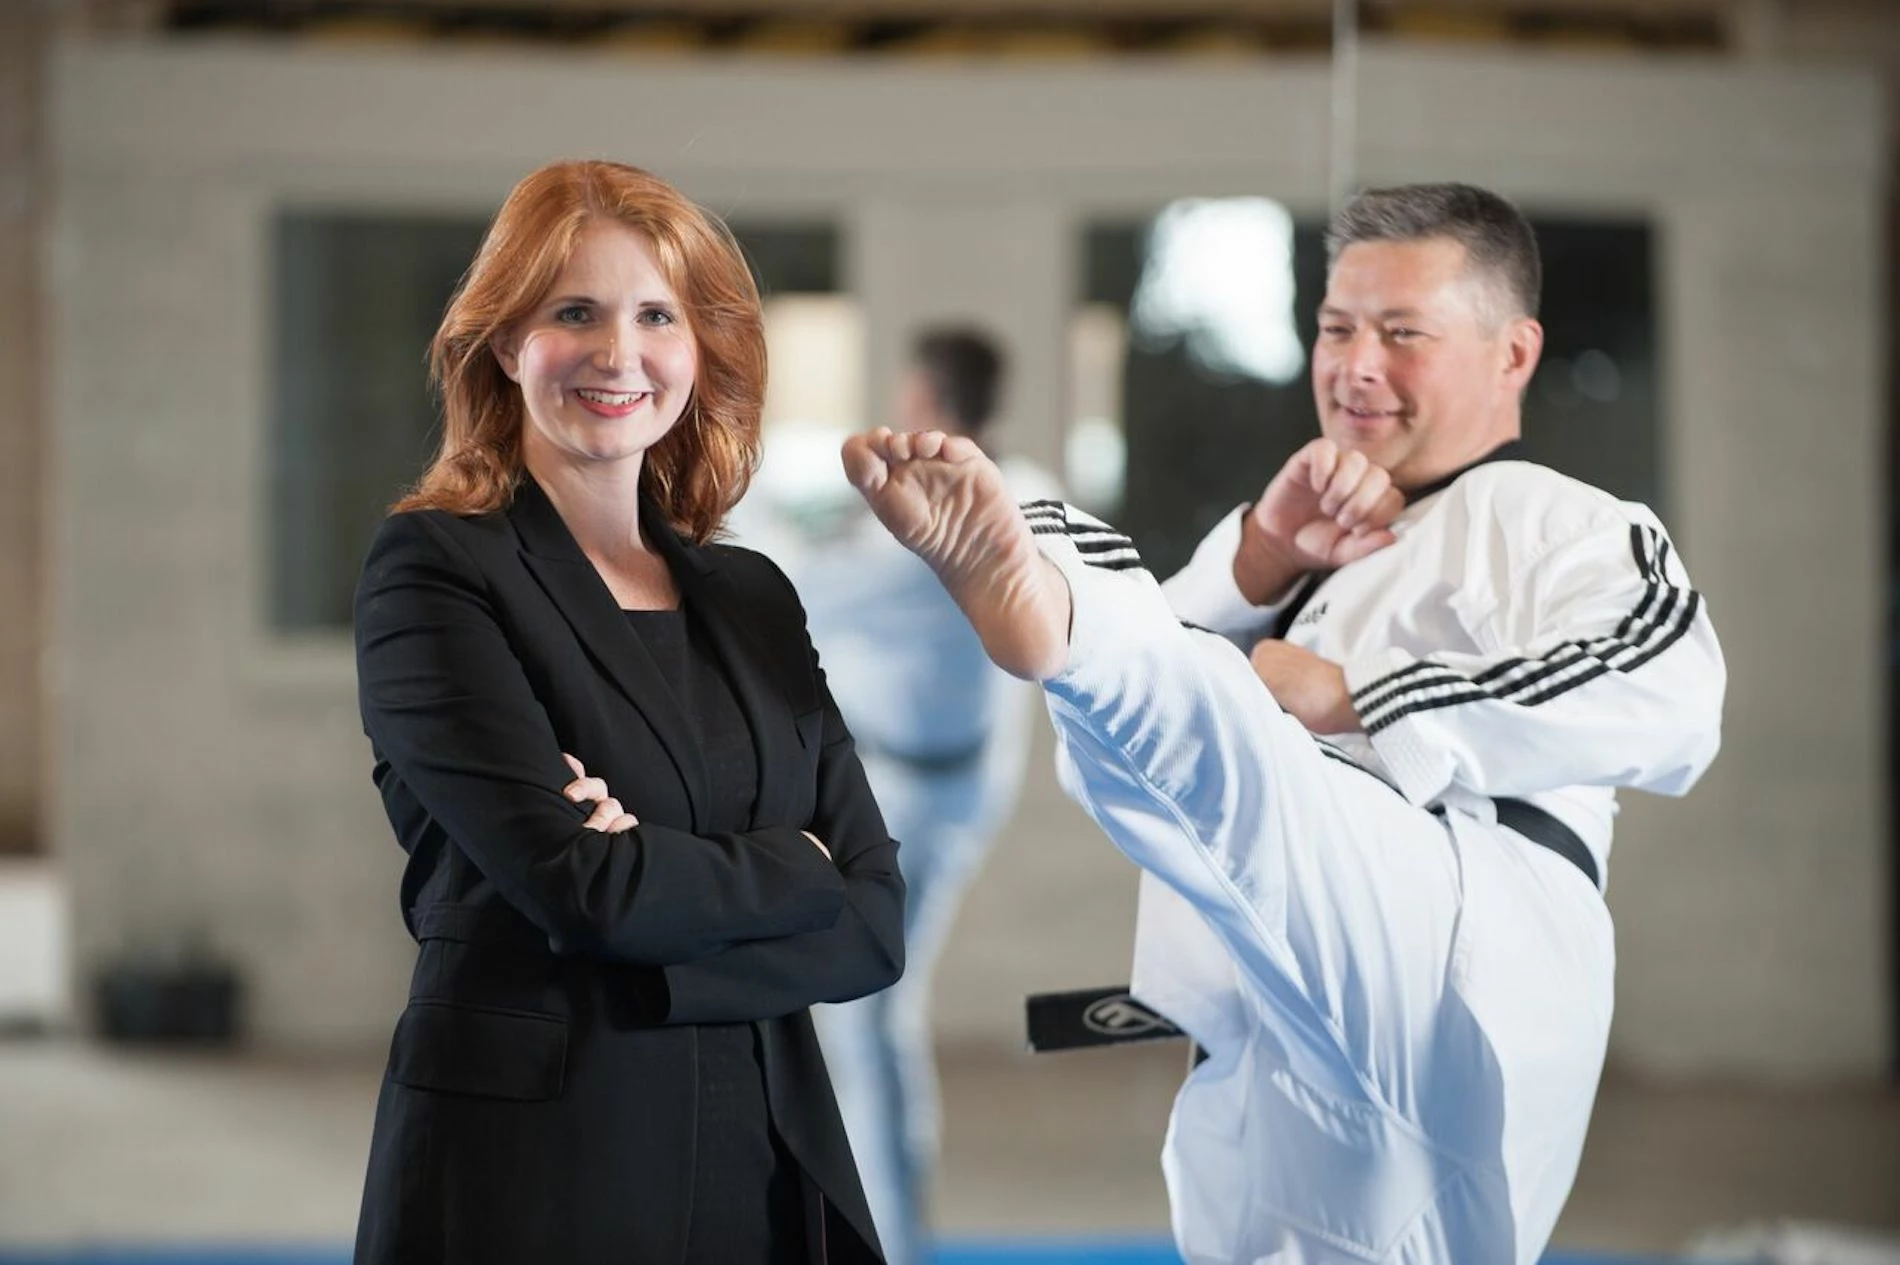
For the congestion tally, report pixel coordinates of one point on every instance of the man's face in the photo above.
(1415, 366)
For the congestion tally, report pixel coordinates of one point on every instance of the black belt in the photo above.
(1546, 831)
(1109, 1016)
(931, 763)
(1091, 1016)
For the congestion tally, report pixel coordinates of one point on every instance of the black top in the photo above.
(678, 646)
(745, 1188)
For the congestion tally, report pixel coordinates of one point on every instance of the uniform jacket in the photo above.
(539, 1098)
(1527, 635)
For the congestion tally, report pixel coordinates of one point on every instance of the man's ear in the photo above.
(1524, 345)
(507, 348)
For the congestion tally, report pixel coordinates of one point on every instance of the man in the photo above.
(1366, 760)
(943, 736)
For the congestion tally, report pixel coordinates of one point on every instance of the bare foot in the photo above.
(945, 502)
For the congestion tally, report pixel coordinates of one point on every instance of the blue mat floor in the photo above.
(955, 1252)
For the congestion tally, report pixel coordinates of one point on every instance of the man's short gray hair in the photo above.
(1496, 237)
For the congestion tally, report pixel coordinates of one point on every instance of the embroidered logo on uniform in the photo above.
(1121, 1016)
(1311, 615)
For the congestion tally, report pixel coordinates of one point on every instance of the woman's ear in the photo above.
(506, 346)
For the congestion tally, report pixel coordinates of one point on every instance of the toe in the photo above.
(863, 466)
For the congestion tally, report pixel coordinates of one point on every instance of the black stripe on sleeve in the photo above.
(1662, 616)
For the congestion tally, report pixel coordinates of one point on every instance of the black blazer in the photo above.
(539, 1099)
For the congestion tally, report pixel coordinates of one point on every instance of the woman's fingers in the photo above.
(581, 790)
(605, 814)
(608, 816)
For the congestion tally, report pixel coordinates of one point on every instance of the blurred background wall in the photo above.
(22, 424)
(179, 744)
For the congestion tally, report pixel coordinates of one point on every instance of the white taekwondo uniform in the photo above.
(1403, 1003)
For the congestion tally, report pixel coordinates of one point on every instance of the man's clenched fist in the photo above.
(1328, 506)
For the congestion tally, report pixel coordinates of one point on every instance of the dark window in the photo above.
(790, 258)
(358, 297)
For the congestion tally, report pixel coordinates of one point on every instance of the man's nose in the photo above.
(1365, 356)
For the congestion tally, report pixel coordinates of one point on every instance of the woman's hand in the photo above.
(607, 816)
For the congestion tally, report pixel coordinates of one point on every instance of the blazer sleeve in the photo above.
(448, 705)
(858, 954)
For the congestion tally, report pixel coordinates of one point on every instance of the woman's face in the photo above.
(606, 362)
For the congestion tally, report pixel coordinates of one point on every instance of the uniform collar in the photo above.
(1509, 450)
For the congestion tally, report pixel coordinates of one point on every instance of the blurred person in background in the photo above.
(640, 843)
(1365, 748)
(944, 737)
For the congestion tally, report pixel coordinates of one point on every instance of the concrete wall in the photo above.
(22, 40)
(1753, 919)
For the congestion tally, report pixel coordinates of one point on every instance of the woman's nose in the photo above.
(608, 351)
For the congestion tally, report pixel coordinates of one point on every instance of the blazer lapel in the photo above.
(554, 557)
(756, 668)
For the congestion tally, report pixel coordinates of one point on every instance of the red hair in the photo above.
(699, 470)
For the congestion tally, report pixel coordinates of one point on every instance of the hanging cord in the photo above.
(1343, 176)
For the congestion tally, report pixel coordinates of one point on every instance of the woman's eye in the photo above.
(572, 314)
(656, 316)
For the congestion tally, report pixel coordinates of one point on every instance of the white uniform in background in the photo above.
(1404, 1003)
(944, 738)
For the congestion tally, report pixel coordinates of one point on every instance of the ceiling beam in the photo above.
(141, 12)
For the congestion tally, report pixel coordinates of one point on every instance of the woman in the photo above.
(640, 844)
